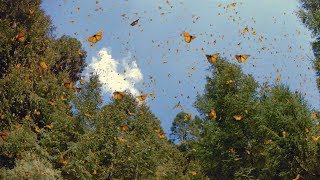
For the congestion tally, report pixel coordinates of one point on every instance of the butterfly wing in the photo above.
(185, 34)
(99, 35)
(142, 97)
(92, 39)
(242, 58)
(188, 39)
(134, 22)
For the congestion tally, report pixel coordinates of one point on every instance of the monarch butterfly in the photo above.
(230, 81)
(162, 135)
(21, 37)
(68, 85)
(238, 117)
(142, 97)
(135, 22)
(4, 134)
(245, 30)
(43, 65)
(119, 95)
(212, 114)
(95, 38)
(212, 58)
(122, 139)
(63, 98)
(278, 78)
(254, 32)
(194, 173)
(233, 4)
(307, 130)
(49, 126)
(124, 128)
(187, 117)
(37, 129)
(297, 177)
(242, 58)
(36, 112)
(63, 161)
(187, 37)
(315, 138)
(314, 115)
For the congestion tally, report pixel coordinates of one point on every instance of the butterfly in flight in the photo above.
(212, 58)
(135, 22)
(187, 37)
(95, 38)
(242, 58)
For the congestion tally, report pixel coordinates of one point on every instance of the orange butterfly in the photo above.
(278, 78)
(237, 118)
(162, 135)
(43, 65)
(119, 95)
(187, 117)
(242, 58)
(142, 97)
(315, 138)
(212, 58)
(95, 38)
(124, 128)
(187, 37)
(68, 85)
(63, 161)
(4, 134)
(122, 139)
(212, 114)
(245, 30)
(314, 115)
(21, 37)
(49, 126)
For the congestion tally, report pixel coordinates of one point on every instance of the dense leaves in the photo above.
(310, 16)
(252, 134)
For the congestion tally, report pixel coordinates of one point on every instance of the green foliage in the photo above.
(310, 16)
(266, 134)
(121, 140)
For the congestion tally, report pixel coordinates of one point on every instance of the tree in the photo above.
(247, 134)
(122, 139)
(35, 110)
(310, 16)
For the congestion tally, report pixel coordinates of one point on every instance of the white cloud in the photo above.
(111, 76)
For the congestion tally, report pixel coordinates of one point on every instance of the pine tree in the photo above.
(246, 134)
(122, 139)
(36, 115)
(310, 16)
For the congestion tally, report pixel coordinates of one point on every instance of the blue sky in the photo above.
(142, 49)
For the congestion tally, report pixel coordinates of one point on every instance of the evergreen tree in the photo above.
(37, 124)
(246, 134)
(122, 139)
(310, 16)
